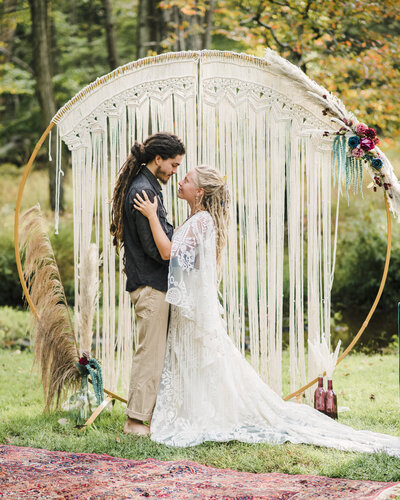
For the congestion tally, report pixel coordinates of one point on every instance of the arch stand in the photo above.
(111, 396)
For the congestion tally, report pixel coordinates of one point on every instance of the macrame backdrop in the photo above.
(262, 130)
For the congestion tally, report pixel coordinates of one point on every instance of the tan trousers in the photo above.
(152, 320)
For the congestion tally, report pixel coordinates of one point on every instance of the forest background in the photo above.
(49, 50)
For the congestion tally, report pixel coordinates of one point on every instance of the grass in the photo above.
(368, 385)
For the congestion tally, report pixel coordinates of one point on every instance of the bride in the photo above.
(208, 391)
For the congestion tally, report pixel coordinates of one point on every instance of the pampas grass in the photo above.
(55, 347)
(88, 296)
(325, 359)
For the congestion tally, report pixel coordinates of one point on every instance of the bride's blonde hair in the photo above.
(216, 200)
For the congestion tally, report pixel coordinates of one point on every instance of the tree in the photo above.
(42, 69)
(110, 35)
(174, 25)
(350, 47)
(151, 28)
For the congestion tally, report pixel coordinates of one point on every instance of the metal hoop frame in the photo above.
(114, 396)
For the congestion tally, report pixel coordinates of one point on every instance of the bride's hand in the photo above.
(145, 206)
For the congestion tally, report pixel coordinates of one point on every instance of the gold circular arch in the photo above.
(298, 392)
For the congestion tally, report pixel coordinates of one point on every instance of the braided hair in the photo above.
(162, 144)
(216, 200)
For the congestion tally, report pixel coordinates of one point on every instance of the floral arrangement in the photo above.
(349, 166)
(82, 403)
(361, 142)
(90, 366)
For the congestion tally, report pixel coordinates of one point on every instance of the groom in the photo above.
(156, 160)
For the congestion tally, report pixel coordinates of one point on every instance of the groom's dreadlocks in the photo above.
(161, 144)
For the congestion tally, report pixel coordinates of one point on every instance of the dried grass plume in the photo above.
(55, 347)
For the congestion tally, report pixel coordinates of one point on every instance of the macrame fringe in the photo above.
(234, 113)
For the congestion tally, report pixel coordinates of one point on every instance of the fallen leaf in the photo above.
(118, 439)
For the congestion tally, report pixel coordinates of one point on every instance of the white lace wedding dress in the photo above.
(208, 391)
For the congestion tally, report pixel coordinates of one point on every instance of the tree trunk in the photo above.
(194, 36)
(7, 30)
(110, 35)
(151, 28)
(208, 23)
(44, 84)
(184, 31)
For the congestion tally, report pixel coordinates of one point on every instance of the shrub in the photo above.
(360, 262)
(10, 289)
(14, 328)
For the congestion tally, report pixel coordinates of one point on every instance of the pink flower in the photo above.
(370, 133)
(376, 140)
(367, 143)
(361, 128)
(358, 152)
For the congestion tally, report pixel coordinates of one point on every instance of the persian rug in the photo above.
(28, 473)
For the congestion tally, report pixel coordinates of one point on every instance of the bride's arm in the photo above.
(149, 210)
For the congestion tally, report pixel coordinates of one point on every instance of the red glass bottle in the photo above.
(319, 396)
(331, 402)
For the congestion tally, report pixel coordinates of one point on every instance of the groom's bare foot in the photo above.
(133, 426)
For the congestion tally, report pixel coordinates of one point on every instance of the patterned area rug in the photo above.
(28, 473)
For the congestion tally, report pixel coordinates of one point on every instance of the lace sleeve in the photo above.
(192, 265)
(186, 245)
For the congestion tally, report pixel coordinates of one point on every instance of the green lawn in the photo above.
(366, 385)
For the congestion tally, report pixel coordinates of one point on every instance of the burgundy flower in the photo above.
(83, 361)
(370, 133)
(367, 143)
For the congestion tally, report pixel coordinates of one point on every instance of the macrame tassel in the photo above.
(59, 173)
(313, 174)
(295, 213)
(347, 170)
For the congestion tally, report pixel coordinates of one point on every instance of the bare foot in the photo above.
(133, 426)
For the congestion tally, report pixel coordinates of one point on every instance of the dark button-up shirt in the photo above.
(143, 263)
